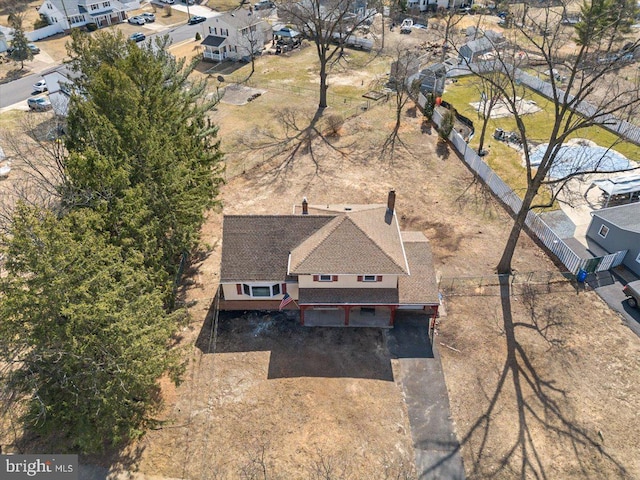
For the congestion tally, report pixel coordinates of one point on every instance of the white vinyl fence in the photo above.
(572, 261)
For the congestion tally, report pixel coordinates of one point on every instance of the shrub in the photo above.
(335, 122)
(92, 27)
(198, 36)
(40, 23)
(447, 124)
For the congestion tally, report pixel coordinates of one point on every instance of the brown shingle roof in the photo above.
(361, 240)
(256, 247)
(420, 287)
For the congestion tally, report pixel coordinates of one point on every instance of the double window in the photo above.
(261, 290)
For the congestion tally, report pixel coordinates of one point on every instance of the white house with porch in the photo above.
(235, 36)
(78, 13)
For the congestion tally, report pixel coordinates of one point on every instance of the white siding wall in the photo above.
(231, 292)
(348, 281)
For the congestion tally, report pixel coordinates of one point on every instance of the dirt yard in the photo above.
(544, 383)
(546, 391)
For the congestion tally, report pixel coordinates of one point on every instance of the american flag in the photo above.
(286, 300)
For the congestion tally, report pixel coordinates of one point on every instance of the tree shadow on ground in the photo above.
(297, 135)
(296, 350)
(539, 403)
(442, 150)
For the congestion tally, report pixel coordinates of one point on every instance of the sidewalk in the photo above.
(437, 450)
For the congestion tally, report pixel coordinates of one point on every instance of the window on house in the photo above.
(106, 4)
(49, 6)
(325, 278)
(367, 311)
(95, 6)
(261, 290)
(604, 230)
(368, 278)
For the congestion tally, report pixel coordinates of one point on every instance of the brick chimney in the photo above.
(305, 206)
(391, 201)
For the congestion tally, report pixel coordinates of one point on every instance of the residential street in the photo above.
(17, 91)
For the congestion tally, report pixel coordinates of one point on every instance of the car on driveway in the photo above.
(196, 19)
(632, 291)
(137, 20)
(39, 104)
(137, 37)
(148, 17)
(40, 87)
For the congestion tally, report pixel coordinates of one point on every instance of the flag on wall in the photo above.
(286, 300)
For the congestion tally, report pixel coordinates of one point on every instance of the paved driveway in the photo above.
(609, 286)
(437, 449)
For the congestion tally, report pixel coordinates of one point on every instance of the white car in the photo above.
(170, 2)
(40, 87)
(137, 20)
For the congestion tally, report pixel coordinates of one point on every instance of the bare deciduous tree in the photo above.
(578, 100)
(325, 23)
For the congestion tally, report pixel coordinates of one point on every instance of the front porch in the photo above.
(215, 49)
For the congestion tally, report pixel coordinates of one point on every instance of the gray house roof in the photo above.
(213, 41)
(625, 217)
(480, 45)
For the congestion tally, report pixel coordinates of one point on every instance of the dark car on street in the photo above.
(196, 19)
(137, 37)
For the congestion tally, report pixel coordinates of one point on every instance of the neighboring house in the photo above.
(234, 36)
(78, 13)
(618, 228)
(342, 265)
(432, 79)
(470, 51)
(433, 5)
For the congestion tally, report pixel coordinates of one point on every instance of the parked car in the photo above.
(137, 20)
(264, 5)
(41, 86)
(31, 46)
(196, 19)
(137, 37)
(170, 2)
(148, 17)
(188, 2)
(39, 104)
(632, 291)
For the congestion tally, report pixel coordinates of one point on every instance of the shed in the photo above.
(471, 50)
(617, 229)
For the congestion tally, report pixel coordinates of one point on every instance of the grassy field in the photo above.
(507, 162)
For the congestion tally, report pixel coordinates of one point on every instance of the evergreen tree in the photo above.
(84, 326)
(20, 44)
(142, 149)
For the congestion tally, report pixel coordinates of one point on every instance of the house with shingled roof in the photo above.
(78, 13)
(343, 265)
(234, 36)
